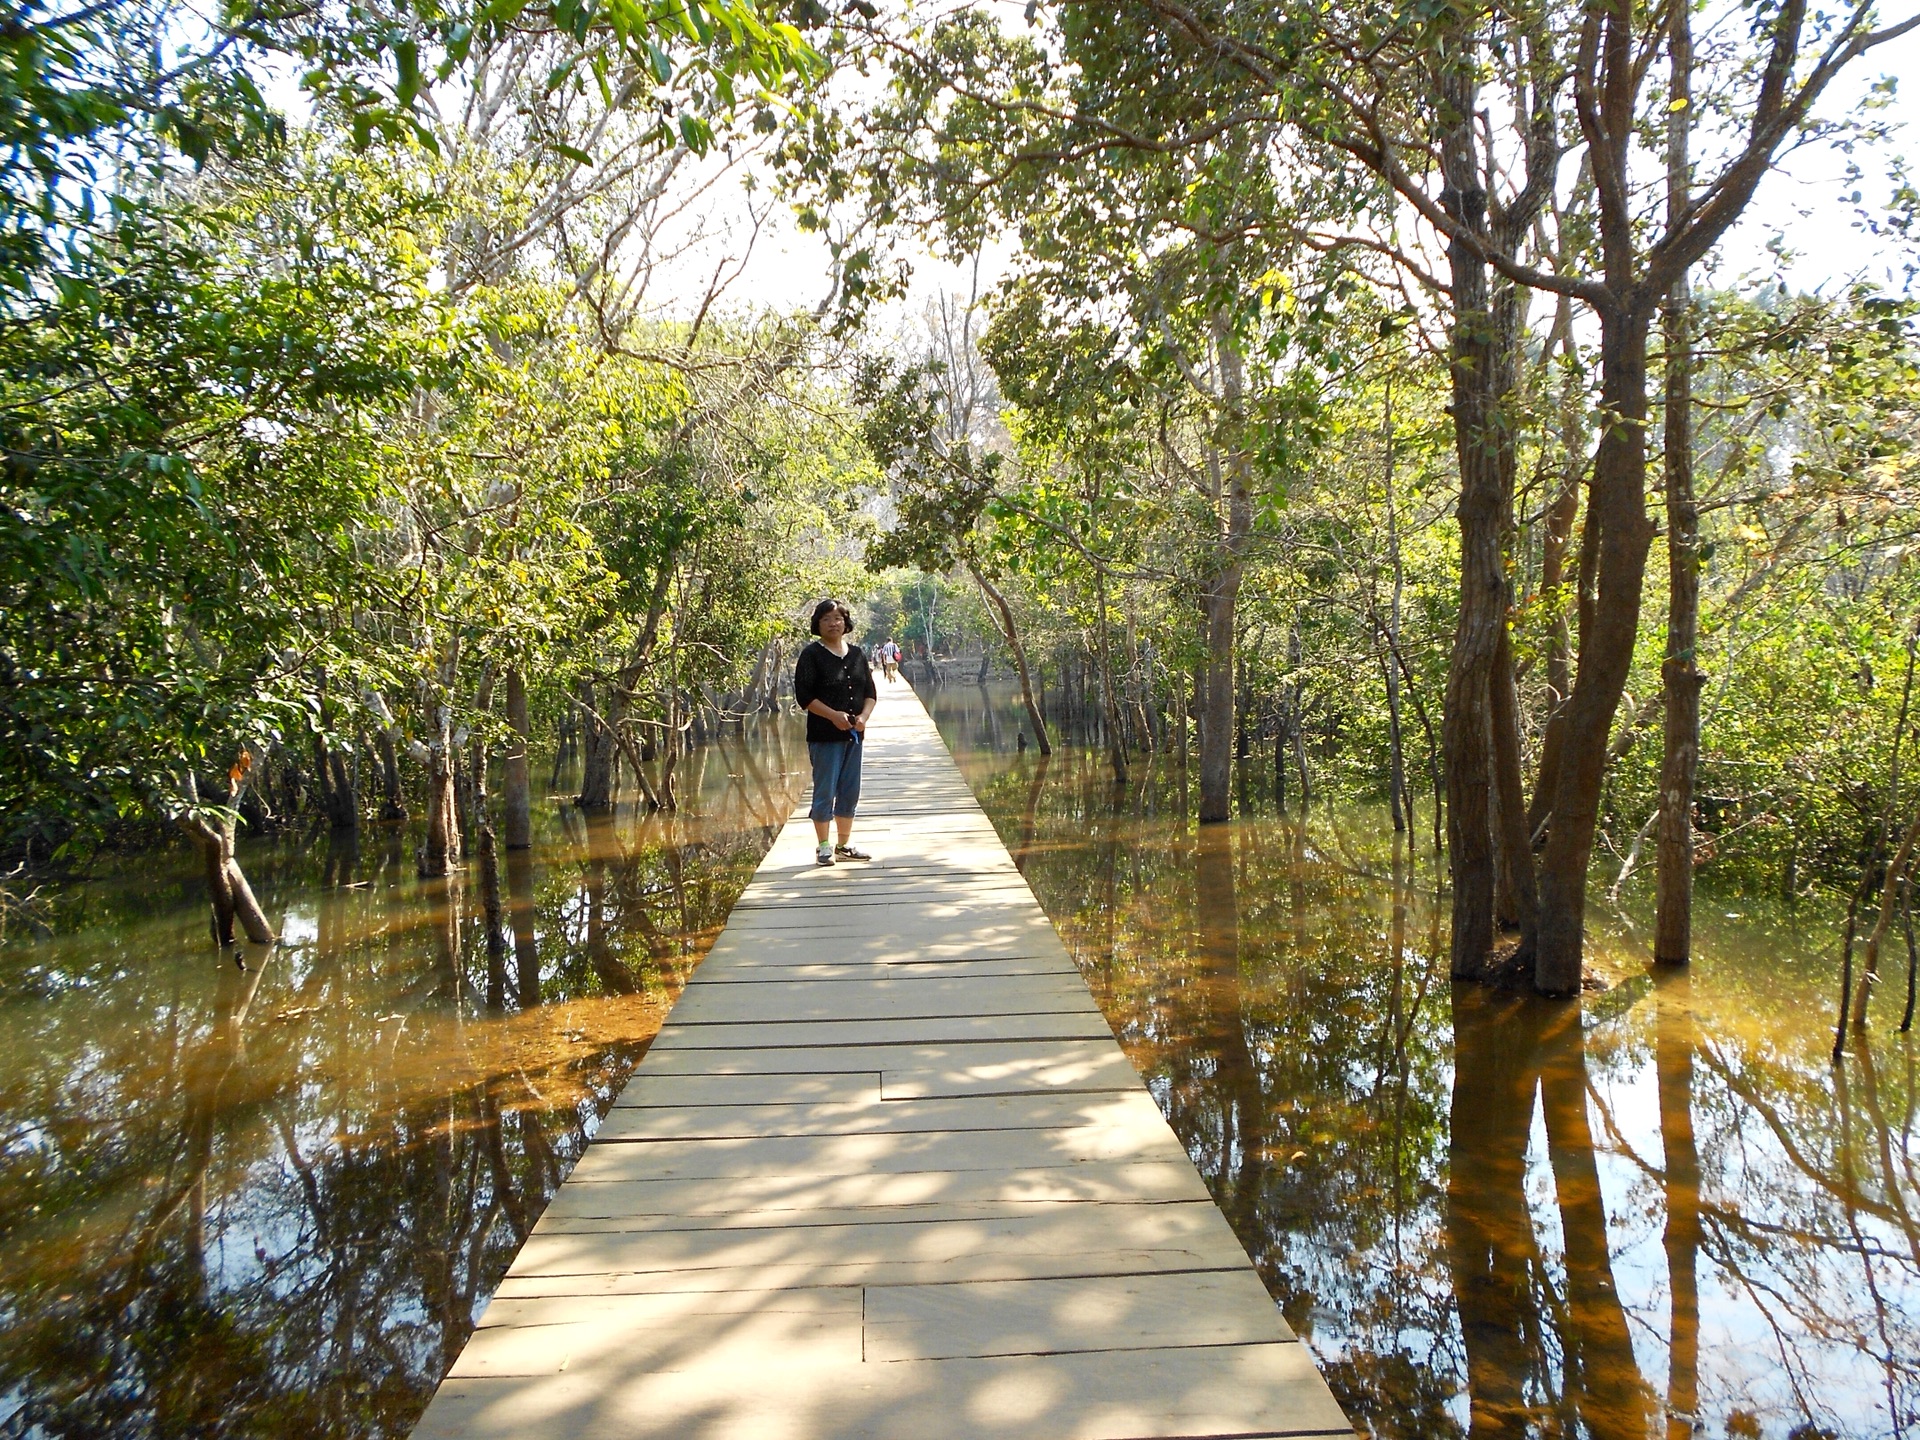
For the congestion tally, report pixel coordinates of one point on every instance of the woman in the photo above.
(834, 685)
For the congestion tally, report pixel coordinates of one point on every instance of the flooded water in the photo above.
(1655, 1211)
(270, 1201)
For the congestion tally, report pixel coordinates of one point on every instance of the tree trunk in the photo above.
(227, 889)
(1519, 907)
(1296, 718)
(1398, 800)
(1491, 858)
(477, 762)
(1680, 671)
(1003, 615)
(516, 784)
(393, 804)
(1241, 743)
(598, 749)
(443, 828)
(1889, 893)
(1467, 723)
(1618, 505)
(1559, 518)
(1109, 702)
(338, 789)
(1221, 591)
(442, 848)
(1280, 726)
(1216, 724)
(342, 787)
(1553, 741)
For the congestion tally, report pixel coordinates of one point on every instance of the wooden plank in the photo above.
(901, 969)
(1059, 1317)
(793, 1001)
(1245, 1391)
(876, 1115)
(913, 1030)
(910, 1071)
(879, 1154)
(885, 1173)
(755, 1200)
(547, 1335)
(1183, 1236)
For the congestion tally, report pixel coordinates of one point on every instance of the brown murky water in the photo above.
(270, 1202)
(1657, 1211)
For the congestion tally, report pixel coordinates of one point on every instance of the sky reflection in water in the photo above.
(270, 1202)
(1492, 1215)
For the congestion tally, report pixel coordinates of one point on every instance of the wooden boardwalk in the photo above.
(886, 1174)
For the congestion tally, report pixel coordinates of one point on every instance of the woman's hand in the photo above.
(841, 720)
(857, 722)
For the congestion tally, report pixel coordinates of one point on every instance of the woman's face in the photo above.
(832, 625)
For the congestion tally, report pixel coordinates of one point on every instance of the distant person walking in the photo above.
(890, 660)
(833, 683)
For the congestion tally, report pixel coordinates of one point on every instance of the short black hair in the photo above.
(826, 608)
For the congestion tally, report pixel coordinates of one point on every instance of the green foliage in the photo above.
(312, 435)
(189, 441)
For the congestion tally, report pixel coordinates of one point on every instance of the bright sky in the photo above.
(1800, 228)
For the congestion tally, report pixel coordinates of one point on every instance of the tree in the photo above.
(1397, 97)
(215, 329)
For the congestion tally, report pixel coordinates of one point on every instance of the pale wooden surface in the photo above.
(885, 1173)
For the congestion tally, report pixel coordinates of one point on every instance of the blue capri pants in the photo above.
(836, 778)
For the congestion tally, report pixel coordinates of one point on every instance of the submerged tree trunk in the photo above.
(442, 849)
(1680, 671)
(228, 892)
(1596, 1339)
(338, 777)
(1490, 853)
(599, 747)
(1216, 725)
(477, 761)
(1296, 717)
(1618, 507)
(1003, 616)
(1467, 724)
(516, 784)
(439, 754)
(393, 803)
(1280, 728)
(1513, 847)
(1233, 519)
(1398, 799)
(1109, 702)
(337, 783)
(1555, 542)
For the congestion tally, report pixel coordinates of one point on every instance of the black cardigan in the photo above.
(843, 682)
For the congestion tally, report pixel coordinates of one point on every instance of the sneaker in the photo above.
(823, 856)
(851, 852)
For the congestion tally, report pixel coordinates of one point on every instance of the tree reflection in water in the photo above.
(1653, 1210)
(272, 1201)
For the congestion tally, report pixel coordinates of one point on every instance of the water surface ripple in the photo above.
(1658, 1210)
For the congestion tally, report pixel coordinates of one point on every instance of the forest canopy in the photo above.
(1351, 409)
